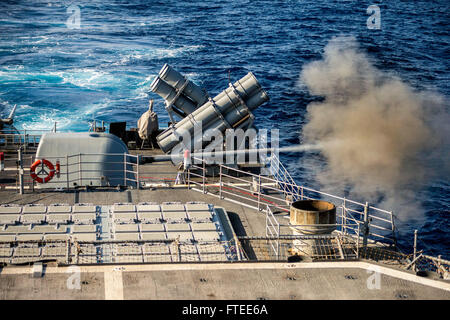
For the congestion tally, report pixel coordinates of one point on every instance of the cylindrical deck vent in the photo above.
(311, 217)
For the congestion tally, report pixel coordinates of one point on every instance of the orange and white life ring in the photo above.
(43, 163)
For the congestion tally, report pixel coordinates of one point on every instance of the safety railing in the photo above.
(333, 247)
(433, 264)
(273, 230)
(23, 138)
(281, 174)
(257, 191)
(317, 246)
(281, 243)
(14, 140)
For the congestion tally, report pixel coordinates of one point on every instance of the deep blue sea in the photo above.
(103, 69)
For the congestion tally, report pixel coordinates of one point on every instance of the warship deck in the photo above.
(259, 277)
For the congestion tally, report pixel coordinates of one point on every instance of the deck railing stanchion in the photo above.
(366, 225)
(278, 243)
(204, 176)
(124, 169)
(259, 192)
(189, 178)
(415, 249)
(220, 181)
(357, 242)
(238, 251)
(79, 170)
(394, 239)
(32, 180)
(25, 140)
(267, 221)
(68, 249)
(344, 218)
(138, 158)
(67, 172)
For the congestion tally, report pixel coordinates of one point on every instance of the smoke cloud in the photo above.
(381, 138)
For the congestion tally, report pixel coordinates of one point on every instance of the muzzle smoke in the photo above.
(381, 138)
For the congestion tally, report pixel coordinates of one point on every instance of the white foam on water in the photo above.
(44, 121)
(67, 120)
(149, 79)
(33, 39)
(157, 21)
(9, 68)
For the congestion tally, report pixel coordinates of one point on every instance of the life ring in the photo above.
(49, 174)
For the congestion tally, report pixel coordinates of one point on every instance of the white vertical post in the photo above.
(393, 229)
(357, 242)
(32, 181)
(238, 251)
(124, 169)
(189, 178)
(68, 251)
(80, 174)
(344, 218)
(259, 192)
(267, 220)
(220, 181)
(415, 248)
(204, 175)
(366, 225)
(278, 241)
(439, 263)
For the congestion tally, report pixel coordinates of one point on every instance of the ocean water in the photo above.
(102, 70)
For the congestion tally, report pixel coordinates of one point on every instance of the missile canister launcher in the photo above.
(230, 109)
(176, 80)
(178, 91)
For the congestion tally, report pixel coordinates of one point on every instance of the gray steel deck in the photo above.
(269, 281)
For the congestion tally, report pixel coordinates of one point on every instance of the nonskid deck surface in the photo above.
(84, 233)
